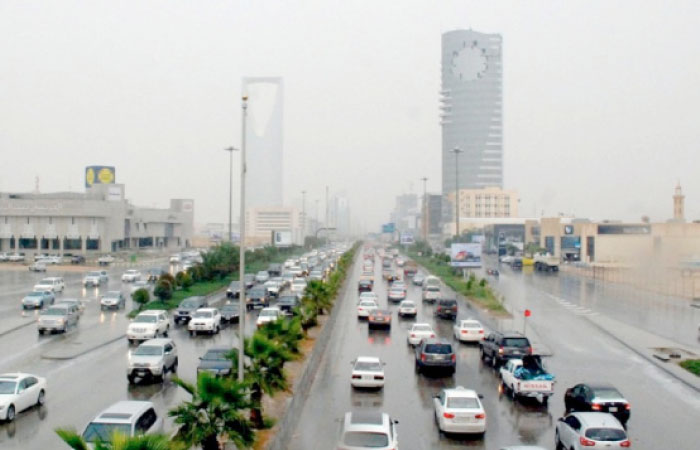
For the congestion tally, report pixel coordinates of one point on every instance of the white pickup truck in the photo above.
(527, 378)
(546, 262)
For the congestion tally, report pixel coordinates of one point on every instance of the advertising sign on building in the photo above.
(465, 255)
(282, 238)
(99, 175)
(478, 238)
(407, 238)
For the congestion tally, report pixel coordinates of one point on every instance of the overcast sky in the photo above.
(601, 98)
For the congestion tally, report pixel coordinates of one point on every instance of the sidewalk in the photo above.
(651, 347)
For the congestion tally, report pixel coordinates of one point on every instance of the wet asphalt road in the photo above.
(79, 388)
(665, 412)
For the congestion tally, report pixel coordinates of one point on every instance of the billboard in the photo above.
(99, 175)
(282, 238)
(407, 238)
(388, 228)
(465, 255)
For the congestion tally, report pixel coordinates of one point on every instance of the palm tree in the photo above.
(216, 409)
(120, 441)
(287, 332)
(319, 293)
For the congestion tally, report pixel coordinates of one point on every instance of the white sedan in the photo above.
(407, 308)
(468, 330)
(268, 315)
(205, 319)
(131, 275)
(368, 296)
(420, 331)
(19, 391)
(365, 307)
(367, 372)
(459, 410)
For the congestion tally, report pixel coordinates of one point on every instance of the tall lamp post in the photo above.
(230, 189)
(303, 217)
(425, 209)
(241, 246)
(457, 151)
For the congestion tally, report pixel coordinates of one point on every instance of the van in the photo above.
(130, 418)
(53, 284)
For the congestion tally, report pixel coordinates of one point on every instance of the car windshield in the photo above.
(145, 318)
(7, 387)
(368, 303)
(462, 402)
(54, 312)
(46, 281)
(235, 284)
(368, 366)
(203, 315)
(471, 325)
(93, 274)
(148, 350)
(230, 307)
(104, 431)
(607, 393)
(433, 289)
(189, 304)
(300, 282)
(214, 355)
(268, 313)
(606, 434)
(516, 342)
(408, 304)
(422, 328)
(35, 294)
(440, 349)
(365, 439)
(112, 294)
(287, 300)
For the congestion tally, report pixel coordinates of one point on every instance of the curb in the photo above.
(83, 352)
(291, 417)
(18, 327)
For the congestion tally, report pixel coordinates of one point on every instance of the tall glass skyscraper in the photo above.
(472, 109)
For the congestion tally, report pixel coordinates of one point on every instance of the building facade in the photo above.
(471, 110)
(264, 159)
(488, 202)
(262, 222)
(100, 220)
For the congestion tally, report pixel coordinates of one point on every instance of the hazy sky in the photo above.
(600, 107)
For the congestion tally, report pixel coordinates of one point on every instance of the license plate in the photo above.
(141, 372)
(464, 419)
(612, 409)
(516, 352)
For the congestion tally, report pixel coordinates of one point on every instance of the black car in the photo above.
(274, 270)
(446, 308)
(216, 362)
(364, 286)
(187, 307)
(234, 289)
(498, 347)
(435, 353)
(597, 397)
(257, 297)
(77, 259)
(287, 303)
(230, 312)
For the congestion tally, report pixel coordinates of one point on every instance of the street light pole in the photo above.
(230, 189)
(241, 246)
(425, 210)
(457, 151)
(303, 217)
(327, 224)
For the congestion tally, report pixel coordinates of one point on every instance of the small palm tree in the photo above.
(287, 332)
(319, 293)
(216, 409)
(119, 441)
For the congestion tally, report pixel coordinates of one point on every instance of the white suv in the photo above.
(53, 284)
(152, 359)
(129, 417)
(131, 275)
(148, 325)
(590, 429)
(205, 319)
(368, 429)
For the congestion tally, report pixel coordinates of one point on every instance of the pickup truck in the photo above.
(546, 262)
(527, 378)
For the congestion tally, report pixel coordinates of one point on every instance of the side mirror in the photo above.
(481, 396)
(561, 419)
(396, 422)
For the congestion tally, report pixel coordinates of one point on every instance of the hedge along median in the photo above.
(218, 269)
(691, 365)
(475, 290)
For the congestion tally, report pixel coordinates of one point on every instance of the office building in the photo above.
(262, 222)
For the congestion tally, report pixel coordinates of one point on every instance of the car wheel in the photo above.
(193, 333)
(417, 367)
(161, 377)
(41, 399)
(218, 328)
(494, 362)
(545, 401)
(165, 333)
(557, 441)
(483, 355)
(513, 394)
(173, 369)
(41, 332)
(10, 413)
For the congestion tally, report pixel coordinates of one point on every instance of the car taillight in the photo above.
(439, 308)
(448, 415)
(628, 407)
(595, 407)
(481, 331)
(529, 350)
(356, 377)
(432, 335)
(500, 350)
(454, 357)
(465, 331)
(413, 334)
(626, 443)
(379, 377)
(422, 356)
(480, 416)
(586, 442)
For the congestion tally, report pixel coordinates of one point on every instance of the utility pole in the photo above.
(303, 216)
(457, 151)
(230, 189)
(425, 209)
(316, 215)
(327, 224)
(241, 258)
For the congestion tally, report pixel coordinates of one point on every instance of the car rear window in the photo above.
(441, 349)
(516, 342)
(448, 302)
(607, 393)
(462, 402)
(606, 434)
(365, 439)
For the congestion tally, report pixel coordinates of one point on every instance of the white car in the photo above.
(262, 276)
(141, 284)
(365, 307)
(15, 257)
(407, 308)
(205, 319)
(368, 429)
(175, 259)
(580, 430)
(105, 260)
(367, 372)
(459, 410)
(148, 325)
(127, 417)
(53, 284)
(131, 275)
(95, 278)
(39, 266)
(298, 286)
(112, 299)
(19, 391)
(368, 296)
(420, 331)
(468, 330)
(152, 359)
(273, 288)
(268, 315)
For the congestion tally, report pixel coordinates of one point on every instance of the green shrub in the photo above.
(163, 290)
(141, 296)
